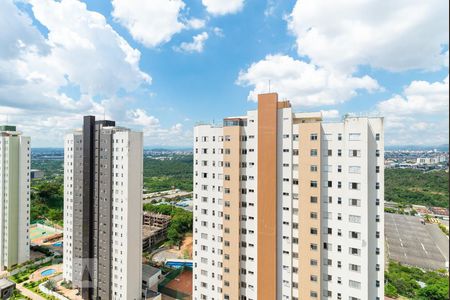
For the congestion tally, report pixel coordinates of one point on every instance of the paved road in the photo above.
(410, 242)
(439, 238)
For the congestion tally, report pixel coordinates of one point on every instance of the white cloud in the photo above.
(151, 23)
(197, 45)
(154, 133)
(223, 7)
(218, 32)
(195, 23)
(18, 32)
(302, 83)
(393, 35)
(79, 42)
(330, 114)
(419, 116)
(51, 81)
(420, 97)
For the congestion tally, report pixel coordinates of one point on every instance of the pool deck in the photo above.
(38, 276)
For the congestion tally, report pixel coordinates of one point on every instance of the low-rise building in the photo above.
(154, 229)
(6, 288)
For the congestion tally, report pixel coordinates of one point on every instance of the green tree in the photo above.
(390, 290)
(434, 292)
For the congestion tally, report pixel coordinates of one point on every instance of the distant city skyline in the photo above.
(162, 66)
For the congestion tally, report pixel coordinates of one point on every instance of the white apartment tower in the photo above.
(103, 169)
(288, 207)
(14, 197)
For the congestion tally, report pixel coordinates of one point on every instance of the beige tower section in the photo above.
(309, 208)
(231, 211)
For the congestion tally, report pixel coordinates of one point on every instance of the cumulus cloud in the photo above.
(392, 35)
(420, 97)
(223, 7)
(79, 42)
(197, 45)
(330, 114)
(301, 82)
(150, 22)
(195, 23)
(47, 83)
(419, 115)
(155, 133)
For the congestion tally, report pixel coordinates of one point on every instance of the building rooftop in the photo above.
(5, 283)
(149, 271)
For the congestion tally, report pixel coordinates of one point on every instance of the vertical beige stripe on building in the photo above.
(231, 211)
(307, 270)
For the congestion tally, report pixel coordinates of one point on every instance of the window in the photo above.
(313, 199)
(313, 215)
(377, 137)
(354, 170)
(313, 184)
(354, 219)
(330, 152)
(354, 153)
(313, 137)
(355, 235)
(339, 136)
(354, 186)
(377, 169)
(354, 137)
(354, 268)
(313, 152)
(377, 153)
(354, 284)
(313, 262)
(354, 202)
(339, 152)
(313, 168)
(354, 251)
(330, 184)
(313, 278)
(313, 231)
(339, 169)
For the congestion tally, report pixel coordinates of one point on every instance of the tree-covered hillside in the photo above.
(416, 187)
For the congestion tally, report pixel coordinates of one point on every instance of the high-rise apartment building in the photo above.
(288, 207)
(14, 197)
(103, 210)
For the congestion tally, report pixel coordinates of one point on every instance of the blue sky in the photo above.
(136, 62)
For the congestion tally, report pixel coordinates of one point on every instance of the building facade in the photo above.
(103, 169)
(288, 207)
(14, 197)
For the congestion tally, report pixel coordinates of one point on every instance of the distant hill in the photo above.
(416, 187)
(442, 148)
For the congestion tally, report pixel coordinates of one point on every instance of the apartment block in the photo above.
(14, 197)
(103, 169)
(154, 230)
(287, 206)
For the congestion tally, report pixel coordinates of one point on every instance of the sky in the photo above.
(162, 66)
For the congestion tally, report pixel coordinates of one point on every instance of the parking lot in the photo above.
(410, 242)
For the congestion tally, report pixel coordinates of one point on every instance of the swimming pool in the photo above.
(58, 244)
(48, 272)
